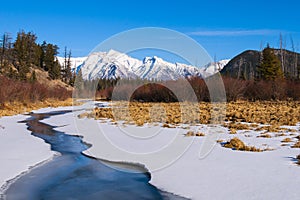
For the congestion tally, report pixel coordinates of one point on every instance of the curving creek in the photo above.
(72, 175)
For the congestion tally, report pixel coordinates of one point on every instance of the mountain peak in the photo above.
(149, 60)
(114, 64)
(114, 53)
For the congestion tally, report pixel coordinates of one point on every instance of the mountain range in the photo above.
(114, 64)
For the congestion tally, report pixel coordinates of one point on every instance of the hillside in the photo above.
(31, 76)
(42, 77)
(244, 65)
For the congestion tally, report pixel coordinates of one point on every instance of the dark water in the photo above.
(75, 176)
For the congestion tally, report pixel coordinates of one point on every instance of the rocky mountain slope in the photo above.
(113, 64)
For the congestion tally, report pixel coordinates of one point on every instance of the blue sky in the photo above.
(223, 28)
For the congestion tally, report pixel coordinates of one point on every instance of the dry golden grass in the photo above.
(199, 134)
(9, 109)
(286, 140)
(234, 127)
(236, 144)
(192, 133)
(274, 114)
(253, 125)
(284, 144)
(237, 126)
(232, 131)
(280, 135)
(43, 78)
(265, 135)
(272, 128)
(298, 158)
(296, 145)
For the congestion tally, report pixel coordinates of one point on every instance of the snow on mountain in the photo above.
(113, 64)
(110, 65)
(75, 62)
(214, 67)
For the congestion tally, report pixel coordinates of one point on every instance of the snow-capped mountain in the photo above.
(214, 67)
(113, 64)
(75, 61)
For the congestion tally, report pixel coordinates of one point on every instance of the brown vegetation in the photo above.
(265, 135)
(20, 96)
(296, 145)
(20, 91)
(298, 158)
(236, 89)
(192, 133)
(13, 108)
(274, 113)
(236, 144)
(286, 140)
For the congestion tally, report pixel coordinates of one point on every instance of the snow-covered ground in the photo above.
(223, 174)
(19, 150)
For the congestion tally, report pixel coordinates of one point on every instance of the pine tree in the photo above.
(270, 67)
(43, 47)
(66, 68)
(5, 43)
(51, 64)
(33, 77)
(25, 54)
(54, 71)
(79, 82)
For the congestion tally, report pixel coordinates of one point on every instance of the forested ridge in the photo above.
(30, 71)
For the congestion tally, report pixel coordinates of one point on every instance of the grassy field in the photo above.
(270, 113)
(277, 121)
(13, 108)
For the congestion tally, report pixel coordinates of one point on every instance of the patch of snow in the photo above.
(223, 174)
(19, 150)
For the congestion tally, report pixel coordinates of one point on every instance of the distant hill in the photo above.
(244, 65)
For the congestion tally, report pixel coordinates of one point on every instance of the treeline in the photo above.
(19, 57)
(179, 90)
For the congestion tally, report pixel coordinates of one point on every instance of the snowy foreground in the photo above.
(222, 174)
(19, 150)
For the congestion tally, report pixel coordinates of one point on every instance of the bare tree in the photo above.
(296, 58)
(294, 67)
(282, 45)
(5, 44)
(66, 68)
